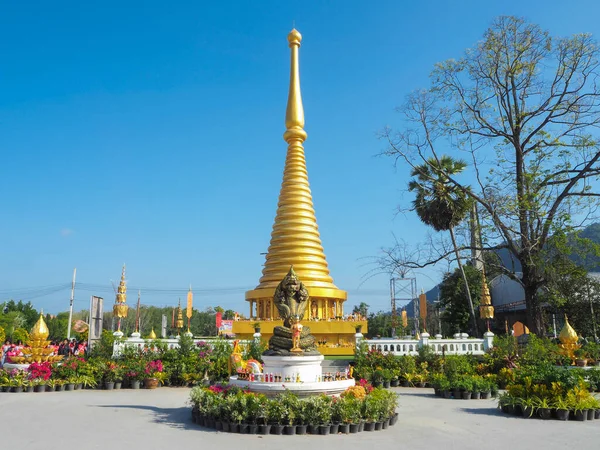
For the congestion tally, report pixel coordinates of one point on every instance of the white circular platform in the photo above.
(300, 389)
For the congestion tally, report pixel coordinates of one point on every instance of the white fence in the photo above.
(461, 344)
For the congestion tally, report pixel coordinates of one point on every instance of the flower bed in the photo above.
(231, 409)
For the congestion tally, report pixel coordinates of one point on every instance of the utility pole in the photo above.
(71, 305)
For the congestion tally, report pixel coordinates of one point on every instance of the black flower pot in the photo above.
(324, 429)
(590, 414)
(394, 419)
(252, 428)
(118, 384)
(581, 415)
(40, 388)
(466, 395)
(510, 409)
(334, 428)
(344, 428)
(475, 395)
(234, 427)
(386, 384)
(562, 414)
(456, 394)
(385, 424)
(210, 422)
(545, 413)
(78, 386)
(277, 429)
(405, 384)
(378, 426)
(313, 429)
(109, 385)
(528, 412)
(289, 430)
(361, 426)
(244, 428)
(353, 428)
(377, 384)
(394, 383)
(226, 426)
(29, 389)
(218, 425)
(264, 429)
(446, 394)
(301, 429)
(597, 414)
(17, 389)
(485, 395)
(369, 426)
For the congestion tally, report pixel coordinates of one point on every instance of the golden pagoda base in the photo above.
(337, 336)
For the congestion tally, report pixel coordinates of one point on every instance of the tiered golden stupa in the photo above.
(120, 308)
(295, 241)
(38, 350)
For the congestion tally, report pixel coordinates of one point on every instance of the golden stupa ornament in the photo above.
(486, 310)
(568, 340)
(152, 334)
(295, 238)
(120, 308)
(38, 349)
(179, 323)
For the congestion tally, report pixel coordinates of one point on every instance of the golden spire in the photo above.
(40, 329)
(179, 323)
(568, 335)
(120, 309)
(486, 310)
(295, 238)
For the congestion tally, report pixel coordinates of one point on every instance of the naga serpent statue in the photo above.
(291, 300)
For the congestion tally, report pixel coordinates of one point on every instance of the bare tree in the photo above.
(525, 108)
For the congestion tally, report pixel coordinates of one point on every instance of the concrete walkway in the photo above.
(160, 419)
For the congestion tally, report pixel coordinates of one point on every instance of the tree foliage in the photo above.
(456, 315)
(524, 107)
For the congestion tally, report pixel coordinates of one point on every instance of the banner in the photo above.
(190, 302)
(404, 318)
(423, 306)
(226, 327)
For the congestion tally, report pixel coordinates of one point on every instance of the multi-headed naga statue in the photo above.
(291, 300)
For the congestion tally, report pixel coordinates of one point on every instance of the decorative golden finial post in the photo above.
(179, 323)
(486, 310)
(120, 309)
(295, 237)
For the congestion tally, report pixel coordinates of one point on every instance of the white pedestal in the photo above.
(309, 367)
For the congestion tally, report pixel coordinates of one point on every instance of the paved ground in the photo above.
(160, 419)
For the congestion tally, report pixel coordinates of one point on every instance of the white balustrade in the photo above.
(171, 343)
(460, 345)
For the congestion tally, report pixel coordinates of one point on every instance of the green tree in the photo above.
(456, 316)
(380, 324)
(443, 206)
(525, 107)
(362, 309)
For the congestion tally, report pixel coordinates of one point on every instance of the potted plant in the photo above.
(256, 326)
(561, 407)
(109, 375)
(542, 406)
(153, 368)
(274, 412)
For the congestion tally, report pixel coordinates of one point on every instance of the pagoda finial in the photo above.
(294, 114)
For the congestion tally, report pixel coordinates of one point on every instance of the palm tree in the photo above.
(441, 205)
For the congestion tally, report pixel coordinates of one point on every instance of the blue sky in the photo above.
(151, 134)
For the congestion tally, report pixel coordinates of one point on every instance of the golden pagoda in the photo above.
(179, 323)
(120, 308)
(295, 239)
